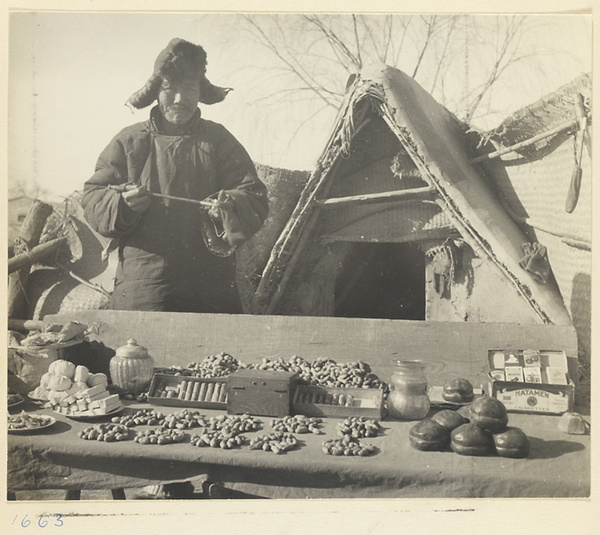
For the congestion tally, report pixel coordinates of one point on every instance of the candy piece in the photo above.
(470, 439)
(429, 435)
(511, 443)
(81, 374)
(102, 395)
(195, 391)
(458, 390)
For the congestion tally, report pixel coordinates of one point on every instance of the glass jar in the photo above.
(131, 368)
(408, 399)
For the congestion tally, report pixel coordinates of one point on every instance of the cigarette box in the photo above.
(540, 383)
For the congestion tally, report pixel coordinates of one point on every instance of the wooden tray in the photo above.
(367, 402)
(161, 381)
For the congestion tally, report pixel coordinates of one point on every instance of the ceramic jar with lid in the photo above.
(131, 368)
(408, 398)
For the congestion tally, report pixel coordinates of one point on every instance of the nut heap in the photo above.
(358, 427)
(236, 424)
(225, 431)
(297, 424)
(321, 372)
(105, 432)
(326, 372)
(277, 442)
(160, 436)
(217, 439)
(185, 419)
(349, 446)
(219, 365)
(279, 365)
(141, 417)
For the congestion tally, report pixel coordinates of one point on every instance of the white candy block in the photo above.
(102, 395)
(81, 374)
(93, 391)
(110, 403)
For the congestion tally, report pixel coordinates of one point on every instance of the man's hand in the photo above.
(136, 198)
(223, 201)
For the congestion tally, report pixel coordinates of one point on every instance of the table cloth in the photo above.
(557, 466)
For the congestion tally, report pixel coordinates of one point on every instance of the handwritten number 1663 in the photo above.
(42, 521)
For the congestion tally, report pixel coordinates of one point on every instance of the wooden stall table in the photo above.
(558, 464)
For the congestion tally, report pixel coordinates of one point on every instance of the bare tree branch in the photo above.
(357, 42)
(317, 51)
(430, 29)
(444, 53)
(504, 59)
(308, 80)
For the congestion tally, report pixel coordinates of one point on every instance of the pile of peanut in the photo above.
(225, 431)
(277, 442)
(358, 427)
(141, 417)
(297, 424)
(219, 365)
(160, 436)
(234, 423)
(349, 446)
(327, 372)
(105, 432)
(217, 439)
(321, 372)
(184, 419)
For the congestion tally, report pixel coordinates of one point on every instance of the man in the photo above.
(176, 255)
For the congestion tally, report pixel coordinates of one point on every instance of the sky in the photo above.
(71, 73)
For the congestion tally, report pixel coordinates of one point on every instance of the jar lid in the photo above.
(132, 349)
(415, 363)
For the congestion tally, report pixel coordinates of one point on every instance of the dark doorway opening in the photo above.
(382, 280)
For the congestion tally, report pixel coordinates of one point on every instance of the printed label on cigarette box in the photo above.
(533, 400)
(532, 374)
(513, 373)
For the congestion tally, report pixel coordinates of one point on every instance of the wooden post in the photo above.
(25, 325)
(39, 252)
(31, 232)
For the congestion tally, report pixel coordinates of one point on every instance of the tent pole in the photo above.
(522, 144)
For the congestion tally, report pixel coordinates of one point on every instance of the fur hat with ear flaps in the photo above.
(180, 58)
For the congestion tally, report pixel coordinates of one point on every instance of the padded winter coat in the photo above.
(164, 262)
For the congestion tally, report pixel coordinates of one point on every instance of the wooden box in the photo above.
(535, 381)
(313, 400)
(261, 392)
(184, 391)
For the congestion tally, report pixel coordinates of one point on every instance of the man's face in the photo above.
(178, 100)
